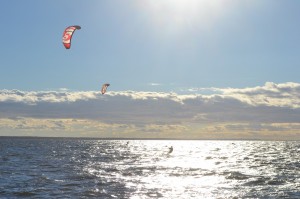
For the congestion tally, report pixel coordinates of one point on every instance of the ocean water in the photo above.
(93, 168)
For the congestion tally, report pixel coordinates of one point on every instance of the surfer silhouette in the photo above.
(170, 149)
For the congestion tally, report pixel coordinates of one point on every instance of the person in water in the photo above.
(170, 149)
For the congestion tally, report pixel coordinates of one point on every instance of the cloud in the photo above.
(268, 103)
(154, 84)
(88, 128)
(271, 94)
(157, 114)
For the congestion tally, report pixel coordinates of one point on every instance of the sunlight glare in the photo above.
(176, 14)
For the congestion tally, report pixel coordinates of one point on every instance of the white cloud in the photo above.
(156, 112)
(275, 101)
(33, 97)
(271, 94)
(154, 84)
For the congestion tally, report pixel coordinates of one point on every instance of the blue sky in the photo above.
(134, 43)
(187, 47)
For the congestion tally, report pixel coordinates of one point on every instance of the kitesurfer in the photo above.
(170, 149)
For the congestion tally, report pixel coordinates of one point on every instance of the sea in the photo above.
(33, 167)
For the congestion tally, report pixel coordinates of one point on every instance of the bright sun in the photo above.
(179, 13)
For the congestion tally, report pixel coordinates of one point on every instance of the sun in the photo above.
(177, 14)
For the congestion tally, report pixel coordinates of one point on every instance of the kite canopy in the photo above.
(67, 35)
(104, 87)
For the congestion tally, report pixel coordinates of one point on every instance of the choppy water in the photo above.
(86, 168)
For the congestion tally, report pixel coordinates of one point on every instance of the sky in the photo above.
(197, 69)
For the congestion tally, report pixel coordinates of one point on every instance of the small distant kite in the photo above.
(104, 87)
(67, 35)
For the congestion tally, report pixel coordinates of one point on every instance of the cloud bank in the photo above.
(268, 110)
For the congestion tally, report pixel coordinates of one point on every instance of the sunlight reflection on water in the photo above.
(145, 169)
(205, 169)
